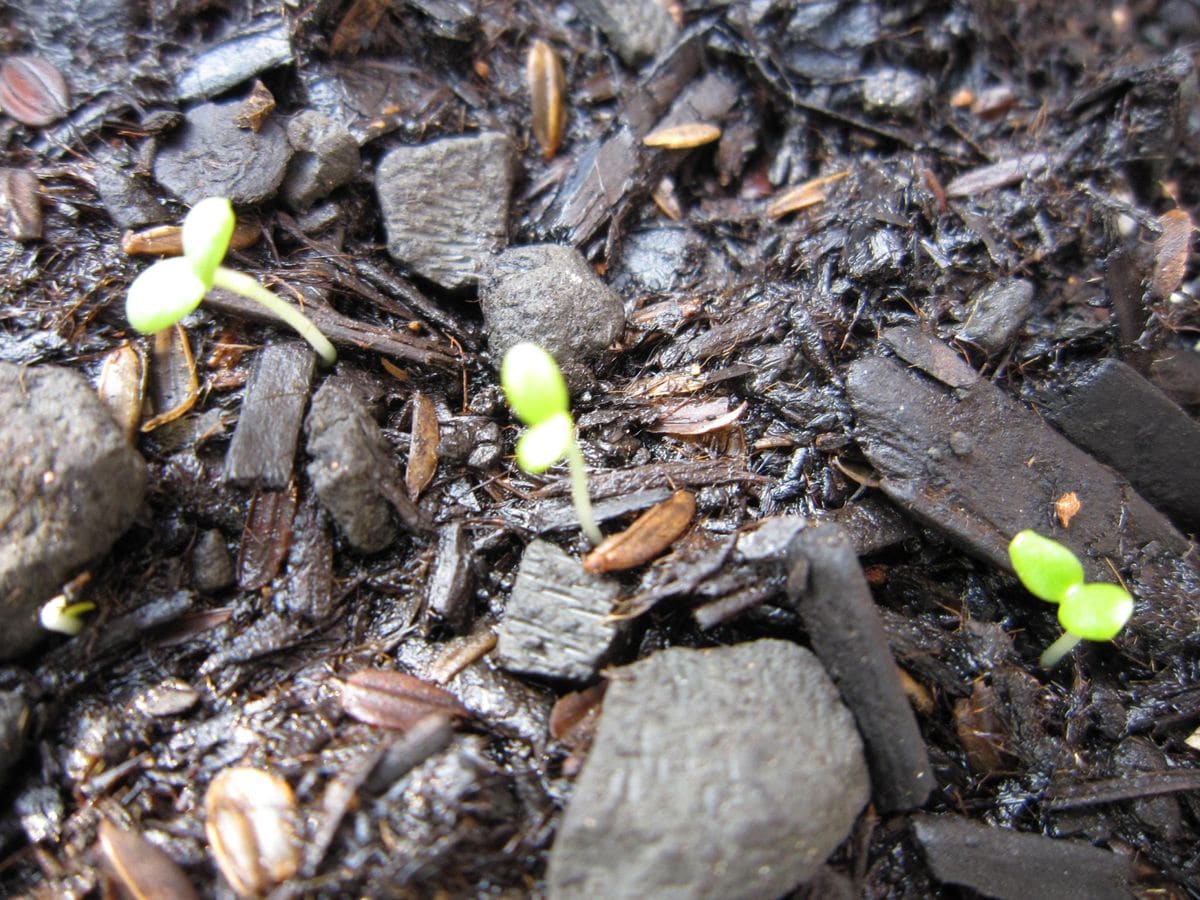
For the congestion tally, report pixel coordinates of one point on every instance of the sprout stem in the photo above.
(243, 284)
(579, 491)
(1053, 654)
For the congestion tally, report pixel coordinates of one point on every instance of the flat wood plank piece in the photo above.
(263, 448)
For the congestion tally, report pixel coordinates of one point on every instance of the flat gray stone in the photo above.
(895, 90)
(69, 487)
(445, 204)
(209, 156)
(638, 29)
(234, 61)
(724, 773)
(549, 294)
(998, 311)
(326, 158)
(555, 624)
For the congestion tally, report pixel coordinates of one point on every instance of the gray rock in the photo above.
(724, 773)
(893, 90)
(550, 294)
(997, 313)
(130, 198)
(326, 158)
(234, 61)
(348, 450)
(69, 487)
(209, 156)
(212, 567)
(445, 204)
(555, 623)
(638, 29)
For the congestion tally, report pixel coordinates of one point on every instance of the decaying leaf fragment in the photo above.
(250, 821)
(423, 449)
(682, 137)
(1171, 252)
(547, 85)
(394, 700)
(650, 534)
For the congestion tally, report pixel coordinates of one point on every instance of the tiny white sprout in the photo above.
(64, 616)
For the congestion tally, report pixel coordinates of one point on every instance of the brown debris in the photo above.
(266, 537)
(174, 386)
(120, 388)
(20, 208)
(167, 240)
(394, 700)
(547, 87)
(423, 450)
(256, 108)
(1171, 252)
(1065, 508)
(142, 869)
(802, 196)
(251, 824)
(650, 534)
(32, 91)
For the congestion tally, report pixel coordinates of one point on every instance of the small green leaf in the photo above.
(533, 384)
(1045, 567)
(206, 234)
(1095, 612)
(544, 444)
(163, 294)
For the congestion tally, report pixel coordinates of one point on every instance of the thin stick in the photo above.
(243, 284)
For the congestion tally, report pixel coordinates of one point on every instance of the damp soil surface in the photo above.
(929, 281)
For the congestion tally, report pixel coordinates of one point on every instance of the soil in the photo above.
(958, 153)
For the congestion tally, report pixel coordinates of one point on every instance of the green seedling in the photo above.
(64, 615)
(537, 393)
(1087, 612)
(172, 288)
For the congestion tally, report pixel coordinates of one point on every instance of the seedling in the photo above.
(63, 615)
(172, 288)
(1087, 612)
(537, 393)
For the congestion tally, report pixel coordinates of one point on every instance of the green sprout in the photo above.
(1087, 612)
(172, 288)
(63, 615)
(537, 393)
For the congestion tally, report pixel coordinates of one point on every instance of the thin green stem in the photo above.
(1056, 651)
(243, 284)
(579, 491)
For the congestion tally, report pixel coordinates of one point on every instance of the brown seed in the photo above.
(802, 196)
(652, 533)
(32, 91)
(395, 700)
(145, 871)
(1171, 252)
(250, 820)
(20, 209)
(682, 137)
(1065, 508)
(573, 718)
(547, 85)
(167, 240)
(423, 448)
(120, 388)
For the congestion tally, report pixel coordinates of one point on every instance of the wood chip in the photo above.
(682, 137)
(547, 86)
(174, 386)
(394, 700)
(650, 534)
(1171, 252)
(802, 196)
(423, 450)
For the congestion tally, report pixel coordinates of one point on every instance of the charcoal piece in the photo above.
(827, 587)
(873, 253)
(983, 497)
(209, 156)
(69, 487)
(212, 566)
(14, 717)
(263, 448)
(998, 311)
(326, 158)
(1011, 865)
(555, 622)
(445, 204)
(308, 587)
(638, 29)
(550, 294)
(1125, 421)
(728, 772)
(448, 592)
(234, 61)
(351, 465)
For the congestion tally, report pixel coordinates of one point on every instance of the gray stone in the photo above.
(212, 567)
(234, 61)
(997, 313)
(130, 198)
(551, 295)
(555, 624)
(445, 205)
(724, 773)
(638, 29)
(69, 487)
(326, 158)
(210, 156)
(892, 90)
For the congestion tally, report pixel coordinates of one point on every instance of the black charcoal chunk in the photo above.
(638, 29)
(555, 622)
(827, 586)
(728, 772)
(69, 487)
(1010, 865)
(1125, 421)
(234, 61)
(997, 313)
(263, 448)
(448, 592)
(212, 566)
(549, 294)
(210, 156)
(14, 719)
(326, 158)
(445, 205)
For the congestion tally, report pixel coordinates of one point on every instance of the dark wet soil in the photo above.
(959, 153)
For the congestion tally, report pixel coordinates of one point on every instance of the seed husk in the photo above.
(121, 387)
(20, 208)
(547, 85)
(250, 820)
(395, 700)
(1171, 252)
(423, 448)
(650, 534)
(682, 137)
(167, 240)
(32, 91)
(144, 871)
(802, 196)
